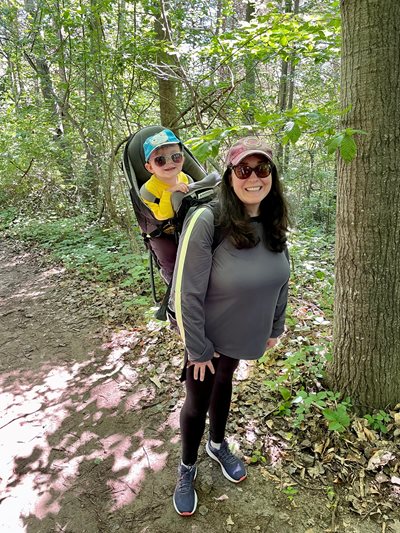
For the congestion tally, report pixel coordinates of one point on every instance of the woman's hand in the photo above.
(271, 342)
(200, 368)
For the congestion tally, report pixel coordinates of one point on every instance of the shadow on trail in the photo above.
(69, 424)
(78, 429)
(89, 429)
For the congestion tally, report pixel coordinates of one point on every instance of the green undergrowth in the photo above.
(98, 254)
(297, 382)
(287, 414)
(295, 374)
(295, 379)
(305, 435)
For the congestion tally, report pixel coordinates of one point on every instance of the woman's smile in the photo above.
(253, 190)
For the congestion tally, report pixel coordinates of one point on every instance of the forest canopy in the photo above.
(79, 77)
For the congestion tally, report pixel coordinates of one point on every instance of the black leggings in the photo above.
(212, 395)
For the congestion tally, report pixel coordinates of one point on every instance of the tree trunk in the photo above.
(12, 51)
(166, 78)
(42, 69)
(250, 81)
(366, 363)
(286, 89)
(41, 66)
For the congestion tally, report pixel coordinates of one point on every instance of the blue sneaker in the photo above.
(232, 467)
(185, 497)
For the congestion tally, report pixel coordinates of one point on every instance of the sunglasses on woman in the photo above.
(161, 160)
(242, 172)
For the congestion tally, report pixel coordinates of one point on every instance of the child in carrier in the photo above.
(164, 160)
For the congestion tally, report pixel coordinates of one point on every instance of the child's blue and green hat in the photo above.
(159, 139)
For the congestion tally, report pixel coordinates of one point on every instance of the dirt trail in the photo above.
(89, 426)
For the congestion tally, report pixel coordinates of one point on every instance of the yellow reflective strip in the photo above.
(179, 270)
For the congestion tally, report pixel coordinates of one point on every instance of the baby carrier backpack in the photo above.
(202, 190)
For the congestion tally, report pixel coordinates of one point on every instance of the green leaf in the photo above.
(338, 419)
(285, 393)
(334, 143)
(284, 40)
(335, 426)
(202, 151)
(348, 148)
(292, 131)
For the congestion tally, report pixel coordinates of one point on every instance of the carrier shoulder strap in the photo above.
(161, 313)
(147, 195)
(219, 234)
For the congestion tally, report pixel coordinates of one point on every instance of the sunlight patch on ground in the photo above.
(18, 260)
(172, 420)
(244, 370)
(24, 293)
(33, 413)
(55, 271)
(132, 403)
(20, 504)
(41, 457)
(106, 395)
(126, 488)
(251, 431)
(275, 448)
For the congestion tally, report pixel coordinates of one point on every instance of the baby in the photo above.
(164, 160)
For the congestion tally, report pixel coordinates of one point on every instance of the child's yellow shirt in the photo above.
(155, 195)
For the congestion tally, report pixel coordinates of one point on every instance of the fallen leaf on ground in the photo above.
(156, 382)
(380, 458)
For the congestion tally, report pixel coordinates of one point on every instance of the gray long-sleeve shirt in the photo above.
(230, 301)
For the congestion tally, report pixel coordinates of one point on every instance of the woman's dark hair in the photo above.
(235, 222)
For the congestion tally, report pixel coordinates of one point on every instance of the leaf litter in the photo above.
(354, 465)
(357, 468)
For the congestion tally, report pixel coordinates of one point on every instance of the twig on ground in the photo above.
(146, 454)
(333, 518)
(6, 313)
(308, 487)
(18, 417)
(148, 405)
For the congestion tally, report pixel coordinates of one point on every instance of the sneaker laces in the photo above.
(185, 479)
(226, 455)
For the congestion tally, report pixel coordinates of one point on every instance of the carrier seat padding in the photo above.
(191, 166)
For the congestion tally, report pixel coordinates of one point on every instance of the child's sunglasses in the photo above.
(242, 172)
(161, 160)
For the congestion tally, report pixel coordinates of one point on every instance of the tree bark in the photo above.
(41, 65)
(286, 89)
(166, 76)
(250, 81)
(366, 363)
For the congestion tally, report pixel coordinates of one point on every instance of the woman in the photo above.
(229, 302)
